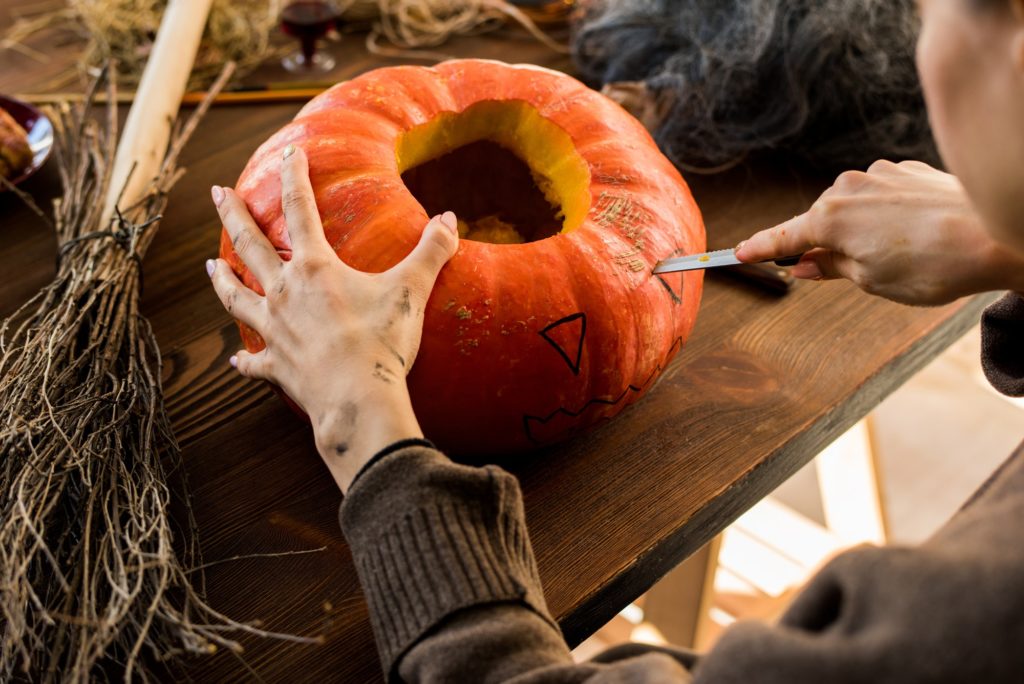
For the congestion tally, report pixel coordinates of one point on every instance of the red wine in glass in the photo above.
(309, 21)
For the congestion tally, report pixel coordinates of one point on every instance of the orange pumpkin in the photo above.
(523, 344)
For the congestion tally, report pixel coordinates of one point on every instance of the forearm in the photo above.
(489, 643)
(511, 644)
(349, 433)
(450, 579)
(431, 538)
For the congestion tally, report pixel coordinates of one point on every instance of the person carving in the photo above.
(442, 549)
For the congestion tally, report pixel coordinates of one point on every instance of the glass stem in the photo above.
(308, 50)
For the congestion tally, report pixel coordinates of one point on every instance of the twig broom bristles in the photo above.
(89, 577)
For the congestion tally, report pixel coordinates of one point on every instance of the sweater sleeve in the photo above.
(449, 576)
(1002, 344)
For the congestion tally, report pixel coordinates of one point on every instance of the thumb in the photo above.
(824, 264)
(438, 244)
(250, 365)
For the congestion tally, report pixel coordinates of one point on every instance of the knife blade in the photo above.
(722, 257)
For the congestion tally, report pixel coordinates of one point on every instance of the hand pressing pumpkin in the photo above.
(906, 232)
(339, 342)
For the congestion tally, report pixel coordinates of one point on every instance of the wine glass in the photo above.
(309, 21)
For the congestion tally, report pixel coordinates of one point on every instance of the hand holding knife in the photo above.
(723, 257)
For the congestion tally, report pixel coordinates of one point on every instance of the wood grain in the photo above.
(763, 384)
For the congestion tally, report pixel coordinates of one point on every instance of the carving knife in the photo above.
(723, 257)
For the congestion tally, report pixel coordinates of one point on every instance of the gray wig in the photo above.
(832, 81)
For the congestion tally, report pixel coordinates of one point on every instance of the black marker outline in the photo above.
(677, 298)
(575, 367)
(672, 351)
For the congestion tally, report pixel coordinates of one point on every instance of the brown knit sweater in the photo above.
(446, 564)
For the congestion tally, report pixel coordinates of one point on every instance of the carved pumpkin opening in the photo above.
(509, 174)
(490, 189)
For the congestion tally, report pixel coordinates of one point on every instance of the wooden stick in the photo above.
(257, 96)
(148, 128)
(191, 98)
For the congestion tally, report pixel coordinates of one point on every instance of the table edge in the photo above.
(601, 606)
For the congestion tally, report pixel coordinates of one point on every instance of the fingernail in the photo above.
(808, 270)
(449, 221)
(211, 265)
(218, 194)
(288, 151)
(233, 361)
(740, 246)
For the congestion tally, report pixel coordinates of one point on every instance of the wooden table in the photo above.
(764, 383)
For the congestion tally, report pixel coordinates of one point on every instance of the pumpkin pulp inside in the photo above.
(509, 174)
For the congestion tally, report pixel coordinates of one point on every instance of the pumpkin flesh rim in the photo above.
(559, 171)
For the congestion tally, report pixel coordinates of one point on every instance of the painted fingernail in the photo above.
(233, 361)
(211, 266)
(808, 270)
(218, 194)
(449, 221)
(288, 151)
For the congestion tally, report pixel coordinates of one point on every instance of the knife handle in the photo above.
(789, 261)
(765, 275)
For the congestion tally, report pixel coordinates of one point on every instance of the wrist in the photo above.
(350, 434)
(1016, 283)
(1007, 269)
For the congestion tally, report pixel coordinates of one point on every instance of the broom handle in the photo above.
(148, 128)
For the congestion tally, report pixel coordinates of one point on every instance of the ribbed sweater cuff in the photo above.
(1002, 339)
(430, 538)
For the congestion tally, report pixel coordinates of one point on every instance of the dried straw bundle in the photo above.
(241, 31)
(89, 577)
(122, 31)
(408, 28)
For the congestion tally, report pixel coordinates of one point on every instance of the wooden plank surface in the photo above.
(763, 384)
